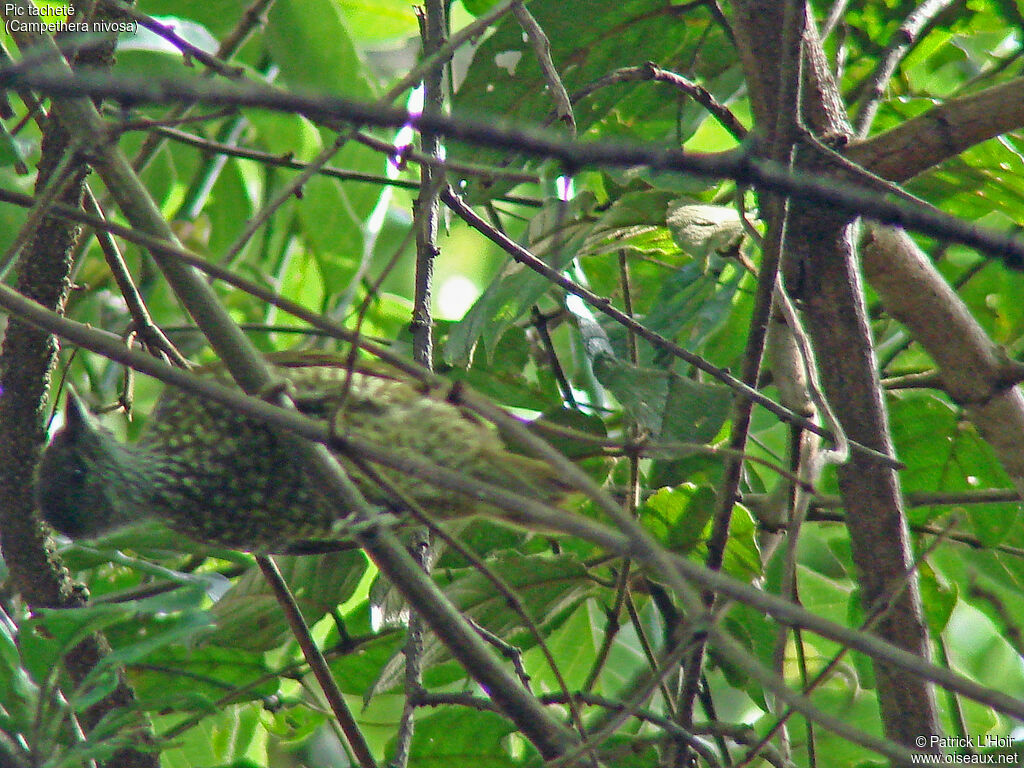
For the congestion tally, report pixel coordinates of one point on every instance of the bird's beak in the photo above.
(76, 414)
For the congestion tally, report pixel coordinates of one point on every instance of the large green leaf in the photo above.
(549, 587)
(505, 79)
(944, 453)
(464, 738)
(248, 615)
(310, 42)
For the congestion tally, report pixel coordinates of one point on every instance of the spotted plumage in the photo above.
(221, 478)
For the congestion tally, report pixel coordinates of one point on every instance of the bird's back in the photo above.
(230, 480)
(227, 479)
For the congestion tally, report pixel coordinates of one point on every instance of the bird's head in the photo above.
(79, 481)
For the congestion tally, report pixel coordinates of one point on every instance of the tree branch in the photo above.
(251, 371)
(743, 164)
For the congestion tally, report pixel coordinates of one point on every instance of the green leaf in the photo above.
(12, 152)
(555, 235)
(462, 737)
(225, 736)
(633, 223)
(503, 302)
(572, 421)
(641, 391)
(694, 302)
(18, 692)
(358, 672)
(742, 554)
(295, 722)
(682, 514)
(943, 453)
(193, 679)
(248, 616)
(54, 632)
(694, 411)
(379, 21)
(309, 40)
(478, 7)
(938, 599)
(550, 588)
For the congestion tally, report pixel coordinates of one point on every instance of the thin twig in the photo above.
(604, 306)
(316, 661)
(741, 164)
(540, 324)
(835, 13)
(167, 32)
(287, 161)
(426, 210)
(133, 123)
(542, 50)
(150, 333)
(455, 167)
(433, 22)
(651, 71)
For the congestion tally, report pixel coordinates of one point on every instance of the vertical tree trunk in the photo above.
(27, 357)
(821, 252)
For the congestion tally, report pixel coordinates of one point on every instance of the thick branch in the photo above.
(924, 141)
(29, 355)
(821, 249)
(742, 164)
(973, 370)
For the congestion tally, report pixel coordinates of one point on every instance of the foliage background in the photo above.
(215, 669)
